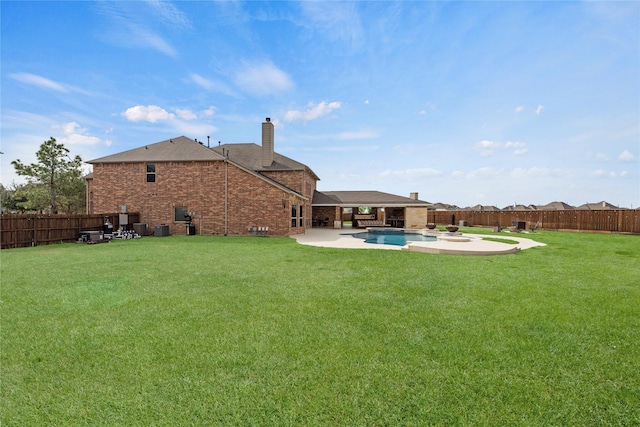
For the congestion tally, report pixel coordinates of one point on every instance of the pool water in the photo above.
(392, 238)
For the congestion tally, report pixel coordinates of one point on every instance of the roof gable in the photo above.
(180, 149)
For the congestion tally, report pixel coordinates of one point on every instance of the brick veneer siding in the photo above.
(322, 212)
(301, 181)
(200, 187)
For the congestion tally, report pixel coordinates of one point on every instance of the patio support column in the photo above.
(338, 216)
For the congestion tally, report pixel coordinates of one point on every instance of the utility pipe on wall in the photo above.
(226, 195)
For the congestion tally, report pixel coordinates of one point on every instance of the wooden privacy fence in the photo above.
(610, 220)
(19, 231)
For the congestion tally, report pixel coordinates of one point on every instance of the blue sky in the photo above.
(467, 103)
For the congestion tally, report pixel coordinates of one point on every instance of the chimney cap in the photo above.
(268, 119)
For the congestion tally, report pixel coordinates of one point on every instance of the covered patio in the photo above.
(368, 209)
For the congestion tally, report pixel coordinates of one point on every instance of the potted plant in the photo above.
(431, 226)
(451, 228)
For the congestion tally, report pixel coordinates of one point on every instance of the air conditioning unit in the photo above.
(91, 237)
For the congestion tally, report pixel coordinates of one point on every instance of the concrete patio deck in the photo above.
(465, 244)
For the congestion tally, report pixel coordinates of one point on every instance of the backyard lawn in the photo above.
(212, 330)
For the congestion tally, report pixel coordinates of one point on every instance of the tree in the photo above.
(7, 199)
(14, 198)
(57, 175)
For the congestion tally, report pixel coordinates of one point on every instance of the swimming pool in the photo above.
(392, 237)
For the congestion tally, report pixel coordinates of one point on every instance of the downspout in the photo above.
(86, 196)
(226, 196)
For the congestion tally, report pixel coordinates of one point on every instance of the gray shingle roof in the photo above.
(249, 155)
(556, 206)
(597, 206)
(363, 198)
(180, 149)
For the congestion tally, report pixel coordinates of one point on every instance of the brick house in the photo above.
(230, 188)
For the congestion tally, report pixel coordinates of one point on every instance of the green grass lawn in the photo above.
(204, 330)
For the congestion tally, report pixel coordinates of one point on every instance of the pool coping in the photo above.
(447, 243)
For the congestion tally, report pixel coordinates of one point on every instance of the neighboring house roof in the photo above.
(596, 206)
(363, 198)
(555, 206)
(249, 155)
(180, 149)
(518, 208)
(482, 208)
(445, 207)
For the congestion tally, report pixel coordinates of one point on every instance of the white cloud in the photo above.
(516, 144)
(312, 112)
(38, 81)
(601, 157)
(130, 26)
(209, 112)
(519, 109)
(148, 113)
(626, 156)
(209, 84)
(483, 173)
(486, 147)
(366, 101)
(263, 79)
(186, 114)
(147, 38)
(337, 21)
(169, 14)
(74, 134)
(202, 82)
(601, 173)
(430, 106)
(519, 147)
(539, 109)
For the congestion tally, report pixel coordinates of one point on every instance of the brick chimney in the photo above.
(413, 196)
(267, 143)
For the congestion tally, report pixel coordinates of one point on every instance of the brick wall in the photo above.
(322, 212)
(200, 187)
(301, 181)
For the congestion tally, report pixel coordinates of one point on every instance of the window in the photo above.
(294, 212)
(301, 217)
(151, 172)
(179, 212)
